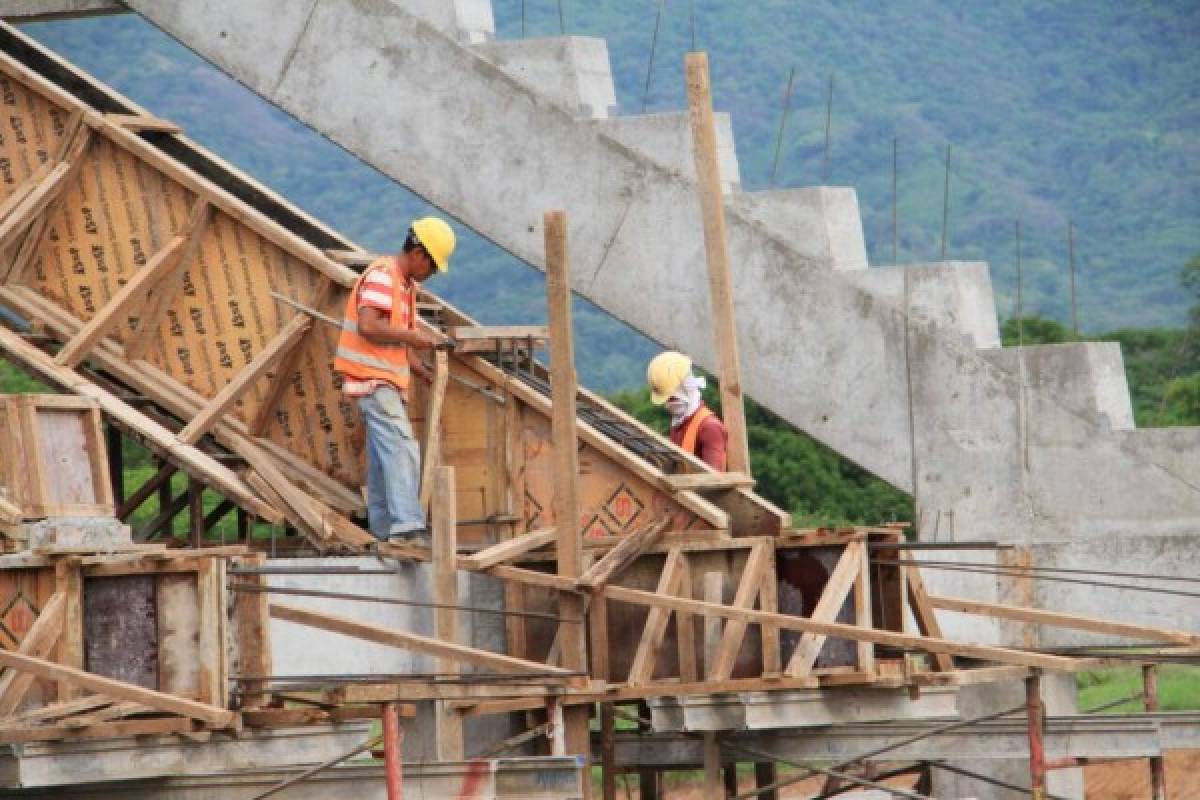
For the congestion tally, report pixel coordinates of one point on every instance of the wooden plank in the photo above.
(286, 341)
(286, 367)
(805, 625)
(641, 671)
(119, 690)
(179, 628)
(768, 600)
(104, 730)
(625, 553)
(863, 616)
(115, 711)
(707, 481)
(833, 597)
(32, 204)
(40, 639)
(754, 574)
(433, 425)
(252, 623)
(143, 122)
(130, 295)
(466, 333)
(565, 458)
(922, 611)
(68, 579)
(156, 306)
(1062, 619)
(199, 463)
(448, 728)
(685, 627)
(508, 550)
(720, 284)
(22, 190)
(408, 641)
(57, 710)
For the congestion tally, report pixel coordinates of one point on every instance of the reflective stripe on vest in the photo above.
(692, 432)
(360, 359)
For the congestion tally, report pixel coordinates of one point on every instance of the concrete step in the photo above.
(468, 21)
(573, 71)
(821, 222)
(955, 296)
(1086, 376)
(666, 139)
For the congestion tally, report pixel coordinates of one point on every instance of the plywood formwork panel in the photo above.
(23, 596)
(32, 128)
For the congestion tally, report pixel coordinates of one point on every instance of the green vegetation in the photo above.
(1178, 688)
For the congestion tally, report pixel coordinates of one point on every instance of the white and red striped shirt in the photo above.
(376, 292)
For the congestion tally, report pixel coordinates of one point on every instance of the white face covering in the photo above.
(684, 401)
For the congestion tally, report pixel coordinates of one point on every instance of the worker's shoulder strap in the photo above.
(692, 432)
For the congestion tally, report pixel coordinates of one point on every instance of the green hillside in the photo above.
(1055, 111)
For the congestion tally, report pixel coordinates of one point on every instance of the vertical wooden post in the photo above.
(195, 512)
(729, 779)
(714, 787)
(720, 284)
(766, 774)
(566, 470)
(714, 592)
(1158, 774)
(1037, 747)
(863, 613)
(393, 739)
(68, 579)
(449, 723)
(598, 650)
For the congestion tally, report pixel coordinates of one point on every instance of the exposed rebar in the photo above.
(787, 102)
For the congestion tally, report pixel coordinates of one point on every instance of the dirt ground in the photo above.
(1125, 780)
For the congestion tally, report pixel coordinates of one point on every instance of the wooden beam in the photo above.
(288, 338)
(32, 204)
(143, 122)
(685, 627)
(286, 366)
(252, 622)
(922, 611)
(706, 481)
(863, 614)
(833, 597)
(1061, 619)
(805, 625)
(756, 570)
(645, 658)
(409, 641)
(103, 730)
(508, 550)
(720, 284)
(119, 690)
(565, 458)
(131, 294)
(621, 556)
(466, 333)
(56, 710)
(156, 306)
(41, 638)
(768, 600)
(433, 425)
(448, 724)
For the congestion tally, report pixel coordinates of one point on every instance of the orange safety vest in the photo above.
(692, 431)
(363, 360)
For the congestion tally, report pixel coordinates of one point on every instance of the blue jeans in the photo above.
(393, 465)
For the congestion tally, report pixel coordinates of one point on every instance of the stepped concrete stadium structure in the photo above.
(897, 368)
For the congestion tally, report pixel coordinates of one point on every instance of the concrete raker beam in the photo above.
(30, 10)
(636, 239)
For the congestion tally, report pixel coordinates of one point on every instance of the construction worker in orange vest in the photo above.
(694, 426)
(378, 331)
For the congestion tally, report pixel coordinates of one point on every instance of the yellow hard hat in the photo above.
(437, 238)
(665, 372)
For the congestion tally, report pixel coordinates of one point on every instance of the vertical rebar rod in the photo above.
(946, 205)
(692, 21)
(787, 102)
(522, 19)
(653, 46)
(1071, 262)
(1158, 774)
(828, 126)
(895, 199)
(562, 25)
(1020, 283)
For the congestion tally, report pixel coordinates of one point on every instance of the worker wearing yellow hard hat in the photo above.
(378, 330)
(694, 426)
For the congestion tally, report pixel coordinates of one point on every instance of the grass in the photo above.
(1178, 688)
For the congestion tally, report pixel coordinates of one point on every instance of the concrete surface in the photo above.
(25, 10)
(572, 71)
